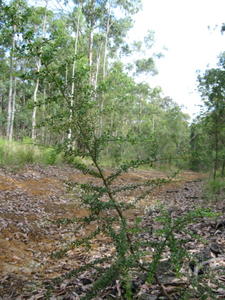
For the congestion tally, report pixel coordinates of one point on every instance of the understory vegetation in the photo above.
(67, 97)
(18, 154)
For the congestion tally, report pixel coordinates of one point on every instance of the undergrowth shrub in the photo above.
(108, 216)
(105, 203)
(131, 251)
(214, 189)
(51, 156)
(25, 152)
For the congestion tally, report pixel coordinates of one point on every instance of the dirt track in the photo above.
(31, 198)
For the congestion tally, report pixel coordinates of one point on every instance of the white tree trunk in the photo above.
(90, 52)
(34, 113)
(73, 81)
(97, 70)
(13, 110)
(9, 113)
(104, 67)
(106, 41)
(43, 130)
(10, 117)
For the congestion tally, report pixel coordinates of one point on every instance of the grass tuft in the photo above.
(20, 153)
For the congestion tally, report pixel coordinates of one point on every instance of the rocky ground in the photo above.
(34, 198)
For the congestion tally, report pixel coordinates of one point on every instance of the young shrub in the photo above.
(214, 189)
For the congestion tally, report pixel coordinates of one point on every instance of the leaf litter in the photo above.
(33, 198)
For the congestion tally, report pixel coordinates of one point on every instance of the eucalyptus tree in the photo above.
(92, 11)
(119, 100)
(38, 21)
(200, 145)
(76, 22)
(176, 136)
(49, 41)
(4, 67)
(212, 88)
(100, 17)
(98, 33)
(161, 127)
(13, 19)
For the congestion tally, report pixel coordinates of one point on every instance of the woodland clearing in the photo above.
(34, 198)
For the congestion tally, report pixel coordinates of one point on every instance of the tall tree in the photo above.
(15, 15)
(39, 21)
(212, 88)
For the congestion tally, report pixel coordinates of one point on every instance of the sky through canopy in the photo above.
(187, 28)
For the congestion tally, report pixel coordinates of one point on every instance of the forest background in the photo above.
(67, 95)
(62, 71)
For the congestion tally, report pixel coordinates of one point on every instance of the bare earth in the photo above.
(33, 197)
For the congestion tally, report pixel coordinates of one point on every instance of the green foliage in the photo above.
(51, 156)
(16, 153)
(199, 154)
(129, 248)
(169, 231)
(146, 66)
(211, 86)
(91, 106)
(120, 106)
(107, 212)
(112, 119)
(214, 189)
(20, 153)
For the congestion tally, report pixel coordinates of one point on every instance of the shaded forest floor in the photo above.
(33, 198)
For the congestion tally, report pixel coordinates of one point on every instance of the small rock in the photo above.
(85, 281)
(216, 249)
(220, 225)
